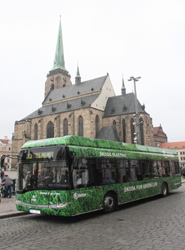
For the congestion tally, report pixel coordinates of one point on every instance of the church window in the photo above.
(35, 131)
(114, 125)
(141, 122)
(124, 130)
(132, 130)
(80, 126)
(97, 125)
(65, 127)
(50, 130)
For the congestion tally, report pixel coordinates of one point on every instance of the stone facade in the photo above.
(159, 136)
(147, 127)
(57, 79)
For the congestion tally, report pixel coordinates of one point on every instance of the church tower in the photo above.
(58, 76)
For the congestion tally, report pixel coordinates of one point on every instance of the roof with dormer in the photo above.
(121, 105)
(70, 98)
(90, 87)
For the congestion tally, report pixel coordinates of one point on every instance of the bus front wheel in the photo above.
(164, 190)
(109, 203)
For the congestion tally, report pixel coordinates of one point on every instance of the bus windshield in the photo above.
(43, 175)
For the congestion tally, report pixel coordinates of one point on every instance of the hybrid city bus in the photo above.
(72, 175)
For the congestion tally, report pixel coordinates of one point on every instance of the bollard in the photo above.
(13, 186)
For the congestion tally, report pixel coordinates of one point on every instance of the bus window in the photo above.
(172, 168)
(159, 168)
(155, 169)
(107, 172)
(177, 168)
(123, 171)
(81, 173)
(134, 171)
(146, 169)
(166, 169)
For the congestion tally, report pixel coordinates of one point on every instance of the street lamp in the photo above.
(135, 79)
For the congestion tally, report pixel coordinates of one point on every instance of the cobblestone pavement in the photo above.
(154, 223)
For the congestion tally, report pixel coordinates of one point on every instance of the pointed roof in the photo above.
(59, 53)
(123, 89)
(78, 77)
(108, 133)
(78, 72)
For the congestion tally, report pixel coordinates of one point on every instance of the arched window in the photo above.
(35, 131)
(124, 130)
(97, 125)
(132, 130)
(65, 127)
(80, 126)
(50, 130)
(114, 125)
(141, 122)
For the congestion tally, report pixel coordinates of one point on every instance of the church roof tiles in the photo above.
(74, 91)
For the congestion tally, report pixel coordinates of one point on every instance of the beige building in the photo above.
(6, 152)
(179, 147)
(88, 109)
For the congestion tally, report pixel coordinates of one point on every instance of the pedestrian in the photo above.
(3, 187)
(0, 187)
(7, 182)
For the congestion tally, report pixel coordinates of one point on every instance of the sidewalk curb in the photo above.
(13, 214)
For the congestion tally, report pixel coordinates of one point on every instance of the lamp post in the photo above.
(135, 79)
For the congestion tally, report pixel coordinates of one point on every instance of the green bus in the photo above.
(72, 175)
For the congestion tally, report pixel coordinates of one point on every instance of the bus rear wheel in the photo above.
(164, 190)
(109, 203)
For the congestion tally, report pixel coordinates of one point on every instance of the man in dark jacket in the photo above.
(8, 186)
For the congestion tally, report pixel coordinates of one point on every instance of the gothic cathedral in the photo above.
(88, 109)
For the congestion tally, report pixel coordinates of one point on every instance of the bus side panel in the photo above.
(131, 191)
(86, 199)
(173, 182)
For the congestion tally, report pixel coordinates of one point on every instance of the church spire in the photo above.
(78, 77)
(59, 53)
(123, 89)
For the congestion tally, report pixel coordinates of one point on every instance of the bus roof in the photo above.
(95, 143)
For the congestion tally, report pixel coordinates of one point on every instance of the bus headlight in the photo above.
(60, 205)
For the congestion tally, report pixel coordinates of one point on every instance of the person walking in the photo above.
(7, 181)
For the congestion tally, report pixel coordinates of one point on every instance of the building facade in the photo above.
(88, 109)
(179, 147)
(6, 152)
(159, 136)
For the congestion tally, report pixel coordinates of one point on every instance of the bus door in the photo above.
(84, 196)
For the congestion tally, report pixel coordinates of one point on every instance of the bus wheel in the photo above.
(109, 203)
(164, 189)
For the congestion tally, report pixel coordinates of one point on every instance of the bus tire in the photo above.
(164, 189)
(109, 203)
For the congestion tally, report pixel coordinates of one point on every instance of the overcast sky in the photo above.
(121, 37)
